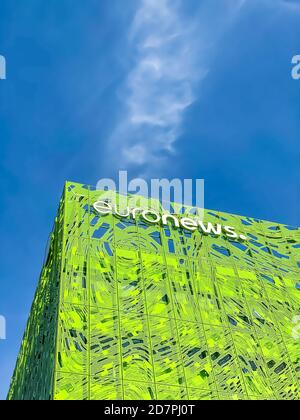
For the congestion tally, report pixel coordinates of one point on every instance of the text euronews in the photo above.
(153, 217)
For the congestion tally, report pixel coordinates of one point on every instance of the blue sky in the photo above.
(189, 89)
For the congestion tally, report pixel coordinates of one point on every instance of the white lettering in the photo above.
(125, 213)
(230, 232)
(210, 229)
(188, 224)
(152, 214)
(134, 212)
(103, 207)
(153, 217)
(161, 191)
(165, 218)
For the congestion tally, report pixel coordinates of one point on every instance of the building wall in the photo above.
(150, 312)
(34, 373)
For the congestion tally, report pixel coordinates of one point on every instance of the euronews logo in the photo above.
(153, 217)
(2, 67)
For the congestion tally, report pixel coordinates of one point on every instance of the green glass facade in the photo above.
(130, 310)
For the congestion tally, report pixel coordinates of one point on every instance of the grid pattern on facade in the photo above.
(138, 311)
(33, 377)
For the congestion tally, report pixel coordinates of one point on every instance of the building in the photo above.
(127, 309)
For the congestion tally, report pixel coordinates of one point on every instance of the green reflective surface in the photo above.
(128, 310)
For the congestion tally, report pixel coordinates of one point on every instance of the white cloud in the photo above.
(170, 56)
(160, 85)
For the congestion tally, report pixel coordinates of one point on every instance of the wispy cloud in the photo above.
(160, 85)
(169, 51)
(162, 81)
